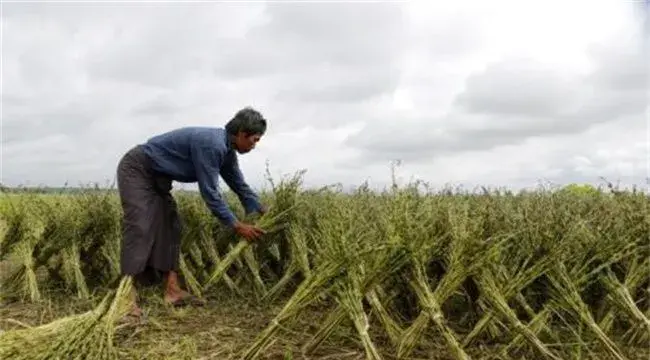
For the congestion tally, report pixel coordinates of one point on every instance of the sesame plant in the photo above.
(403, 272)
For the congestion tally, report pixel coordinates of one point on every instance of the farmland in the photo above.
(402, 274)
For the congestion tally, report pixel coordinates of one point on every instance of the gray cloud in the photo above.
(162, 105)
(361, 84)
(325, 52)
(513, 100)
(302, 35)
(82, 83)
(621, 67)
(583, 158)
(519, 88)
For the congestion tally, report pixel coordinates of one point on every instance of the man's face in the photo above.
(246, 142)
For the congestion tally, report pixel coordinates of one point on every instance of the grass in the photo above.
(407, 273)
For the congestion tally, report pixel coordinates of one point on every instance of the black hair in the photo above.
(247, 120)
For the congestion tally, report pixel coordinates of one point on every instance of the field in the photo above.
(402, 274)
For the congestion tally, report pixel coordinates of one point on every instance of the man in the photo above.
(151, 227)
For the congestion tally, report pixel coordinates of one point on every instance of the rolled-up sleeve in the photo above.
(207, 162)
(233, 176)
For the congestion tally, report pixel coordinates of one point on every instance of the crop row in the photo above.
(539, 274)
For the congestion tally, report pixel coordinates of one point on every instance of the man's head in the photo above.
(245, 129)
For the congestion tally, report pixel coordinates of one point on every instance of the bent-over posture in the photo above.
(151, 226)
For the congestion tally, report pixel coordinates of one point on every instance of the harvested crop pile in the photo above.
(84, 336)
(548, 275)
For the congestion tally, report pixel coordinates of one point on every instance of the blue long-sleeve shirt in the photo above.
(201, 154)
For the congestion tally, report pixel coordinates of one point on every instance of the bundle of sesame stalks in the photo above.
(270, 222)
(83, 336)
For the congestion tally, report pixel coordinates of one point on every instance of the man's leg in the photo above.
(165, 254)
(173, 291)
(134, 184)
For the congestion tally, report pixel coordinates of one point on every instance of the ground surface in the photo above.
(221, 330)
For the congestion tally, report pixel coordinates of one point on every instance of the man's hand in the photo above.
(249, 232)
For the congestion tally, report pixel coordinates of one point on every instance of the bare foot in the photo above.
(172, 296)
(175, 296)
(181, 297)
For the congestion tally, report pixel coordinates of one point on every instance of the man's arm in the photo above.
(206, 161)
(234, 178)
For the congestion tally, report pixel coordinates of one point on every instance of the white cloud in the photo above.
(501, 93)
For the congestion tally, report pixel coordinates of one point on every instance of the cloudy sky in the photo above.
(496, 93)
